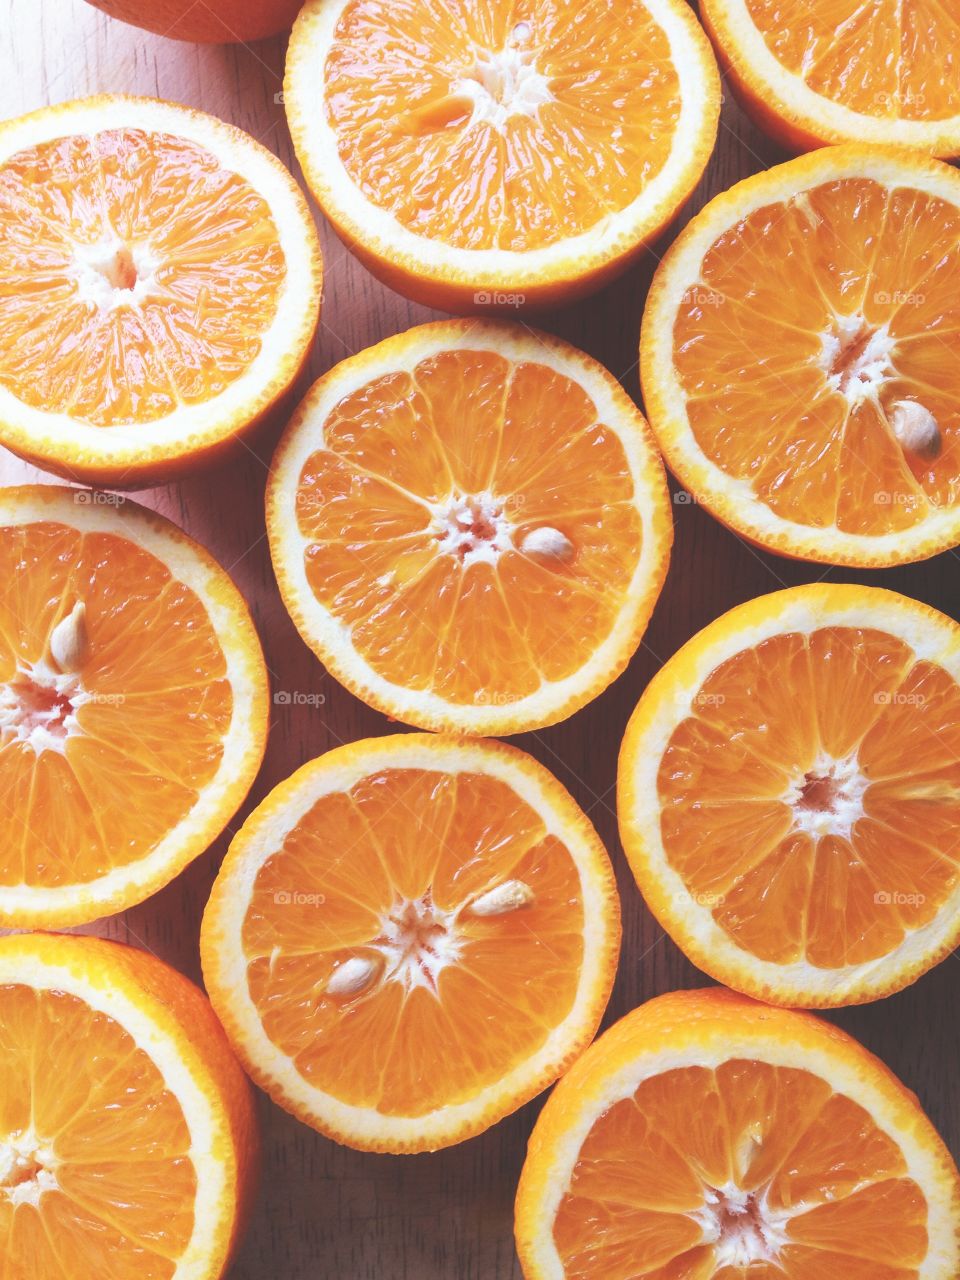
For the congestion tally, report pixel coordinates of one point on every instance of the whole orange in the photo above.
(213, 22)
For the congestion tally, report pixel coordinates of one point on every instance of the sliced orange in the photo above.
(133, 704)
(487, 152)
(797, 357)
(411, 937)
(470, 526)
(128, 1137)
(159, 287)
(708, 1137)
(817, 71)
(789, 794)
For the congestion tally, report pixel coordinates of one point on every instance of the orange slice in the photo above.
(159, 287)
(797, 357)
(789, 794)
(128, 1137)
(411, 937)
(479, 152)
(707, 1137)
(133, 704)
(818, 71)
(470, 526)
(210, 22)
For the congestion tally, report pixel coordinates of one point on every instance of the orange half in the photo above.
(159, 287)
(707, 1137)
(133, 699)
(128, 1138)
(484, 153)
(470, 526)
(789, 794)
(820, 71)
(410, 937)
(797, 357)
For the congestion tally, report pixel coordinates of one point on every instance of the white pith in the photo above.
(27, 1168)
(732, 498)
(745, 46)
(473, 528)
(672, 695)
(742, 1226)
(183, 1076)
(96, 269)
(710, 1046)
(191, 425)
(841, 808)
(864, 377)
(504, 83)
(318, 150)
(288, 544)
(188, 563)
(42, 730)
(417, 941)
(225, 960)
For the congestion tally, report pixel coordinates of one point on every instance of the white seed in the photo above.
(916, 428)
(352, 976)
(68, 639)
(547, 542)
(509, 896)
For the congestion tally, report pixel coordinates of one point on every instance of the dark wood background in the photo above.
(325, 1211)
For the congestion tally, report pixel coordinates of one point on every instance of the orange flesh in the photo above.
(762, 721)
(154, 706)
(749, 352)
(888, 58)
(771, 1156)
(573, 127)
(74, 1084)
(463, 424)
(406, 836)
(138, 276)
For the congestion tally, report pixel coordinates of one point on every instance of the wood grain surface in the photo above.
(325, 1211)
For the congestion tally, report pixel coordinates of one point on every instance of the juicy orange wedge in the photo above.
(484, 145)
(132, 704)
(790, 794)
(411, 937)
(159, 288)
(797, 357)
(707, 1137)
(127, 1129)
(817, 71)
(469, 525)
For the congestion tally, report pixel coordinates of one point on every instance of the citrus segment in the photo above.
(411, 937)
(788, 794)
(159, 290)
(127, 1130)
(795, 357)
(468, 149)
(132, 704)
(706, 1137)
(835, 72)
(469, 526)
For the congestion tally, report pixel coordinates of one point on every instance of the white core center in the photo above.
(504, 84)
(39, 706)
(857, 358)
(417, 942)
(741, 1226)
(26, 1170)
(472, 528)
(828, 799)
(114, 274)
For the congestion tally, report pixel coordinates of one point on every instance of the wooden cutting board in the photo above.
(326, 1213)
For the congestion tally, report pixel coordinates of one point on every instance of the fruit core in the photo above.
(26, 1170)
(114, 274)
(741, 1226)
(857, 357)
(828, 798)
(417, 941)
(39, 706)
(502, 83)
(473, 528)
